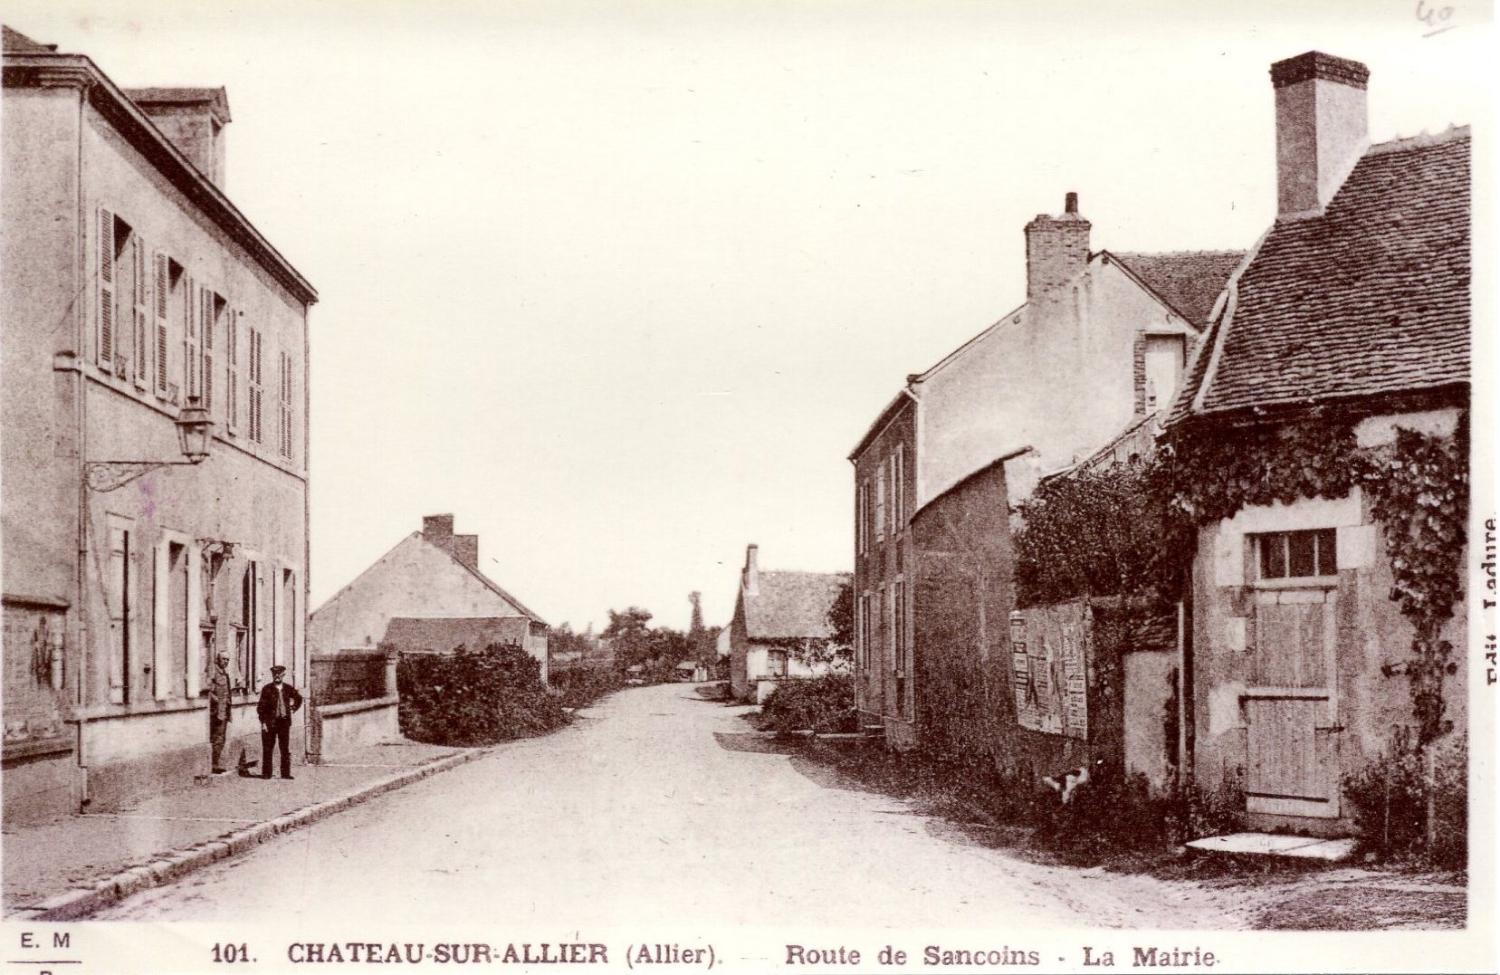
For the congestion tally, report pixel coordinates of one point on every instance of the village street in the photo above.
(657, 806)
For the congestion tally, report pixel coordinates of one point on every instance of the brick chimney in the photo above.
(1057, 248)
(751, 576)
(438, 529)
(1322, 128)
(193, 120)
(466, 550)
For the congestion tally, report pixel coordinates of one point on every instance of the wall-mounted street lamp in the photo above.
(194, 433)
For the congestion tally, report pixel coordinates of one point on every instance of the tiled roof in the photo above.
(1372, 297)
(792, 605)
(1189, 281)
(413, 634)
(19, 43)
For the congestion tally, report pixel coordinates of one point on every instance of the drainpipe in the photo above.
(1186, 718)
(81, 304)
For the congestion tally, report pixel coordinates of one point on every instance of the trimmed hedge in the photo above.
(475, 697)
(578, 687)
(824, 704)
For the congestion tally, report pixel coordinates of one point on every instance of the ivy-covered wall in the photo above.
(1394, 485)
(1394, 490)
(967, 711)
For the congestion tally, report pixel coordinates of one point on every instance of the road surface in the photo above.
(657, 806)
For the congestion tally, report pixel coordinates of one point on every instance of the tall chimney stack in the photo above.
(752, 568)
(466, 550)
(438, 529)
(193, 120)
(1322, 128)
(1057, 248)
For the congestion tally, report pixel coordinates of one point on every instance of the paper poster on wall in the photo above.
(1049, 663)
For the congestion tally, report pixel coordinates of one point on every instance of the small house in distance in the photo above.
(781, 628)
(423, 595)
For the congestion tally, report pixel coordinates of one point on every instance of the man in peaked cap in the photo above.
(278, 702)
(220, 705)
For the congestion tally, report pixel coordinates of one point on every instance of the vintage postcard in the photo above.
(748, 485)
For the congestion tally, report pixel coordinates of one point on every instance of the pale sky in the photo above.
(620, 285)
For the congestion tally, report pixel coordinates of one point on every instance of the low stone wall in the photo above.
(354, 702)
(41, 781)
(339, 728)
(1150, 716)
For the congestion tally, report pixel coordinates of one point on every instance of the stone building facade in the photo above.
(134, 292)
(781, 628)
(430, 575)
(884, 572)
(1353, 313)
(1097, 349)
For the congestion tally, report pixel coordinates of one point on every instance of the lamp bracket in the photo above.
(108, 475)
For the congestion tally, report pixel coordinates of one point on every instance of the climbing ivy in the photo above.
(1130, 529)
(1419, 491)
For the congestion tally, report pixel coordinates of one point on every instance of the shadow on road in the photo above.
(753, 742)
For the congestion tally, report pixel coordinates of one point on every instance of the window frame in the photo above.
(1319, 537)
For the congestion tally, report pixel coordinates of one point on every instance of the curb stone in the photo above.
(80, 902)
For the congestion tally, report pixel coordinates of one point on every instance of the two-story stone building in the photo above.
(1098, 347)
(155, 409)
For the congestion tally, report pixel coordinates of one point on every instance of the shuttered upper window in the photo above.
(168, 274)
(284, 389)
(231, 333)
(257, 390)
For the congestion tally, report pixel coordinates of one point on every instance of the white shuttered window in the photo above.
(104, 338)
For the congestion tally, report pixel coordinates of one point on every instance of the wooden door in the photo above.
(1290, 706)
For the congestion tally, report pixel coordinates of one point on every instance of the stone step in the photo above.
(1277, 845)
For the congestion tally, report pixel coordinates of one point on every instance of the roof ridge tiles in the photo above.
(1453, 133)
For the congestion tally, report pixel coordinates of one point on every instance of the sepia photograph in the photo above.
(777, 485)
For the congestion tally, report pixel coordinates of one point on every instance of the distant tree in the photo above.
(841, 617)
(695, 628)
(563, 640)
(629, 632)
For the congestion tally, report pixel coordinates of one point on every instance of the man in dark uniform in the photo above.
(219, 702)
(278, 702)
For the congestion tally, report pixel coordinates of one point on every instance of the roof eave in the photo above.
(1398, 400)
(142, 133)
(883, 420)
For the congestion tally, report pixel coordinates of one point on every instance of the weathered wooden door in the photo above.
(1290, 705)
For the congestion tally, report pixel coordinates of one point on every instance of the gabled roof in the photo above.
(892, 409)
(420, 539)
(792, 605)
(18, 42)
(1370, 298)
(441, 634)
(489, 583)
(485, 579)
(1188, 281)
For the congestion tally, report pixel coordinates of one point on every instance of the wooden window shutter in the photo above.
(192, 311)
(105, 346)
(286, 405)
(257, 392)
(210, 303)
(232, 370)
(163, 292)
(142, 342)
